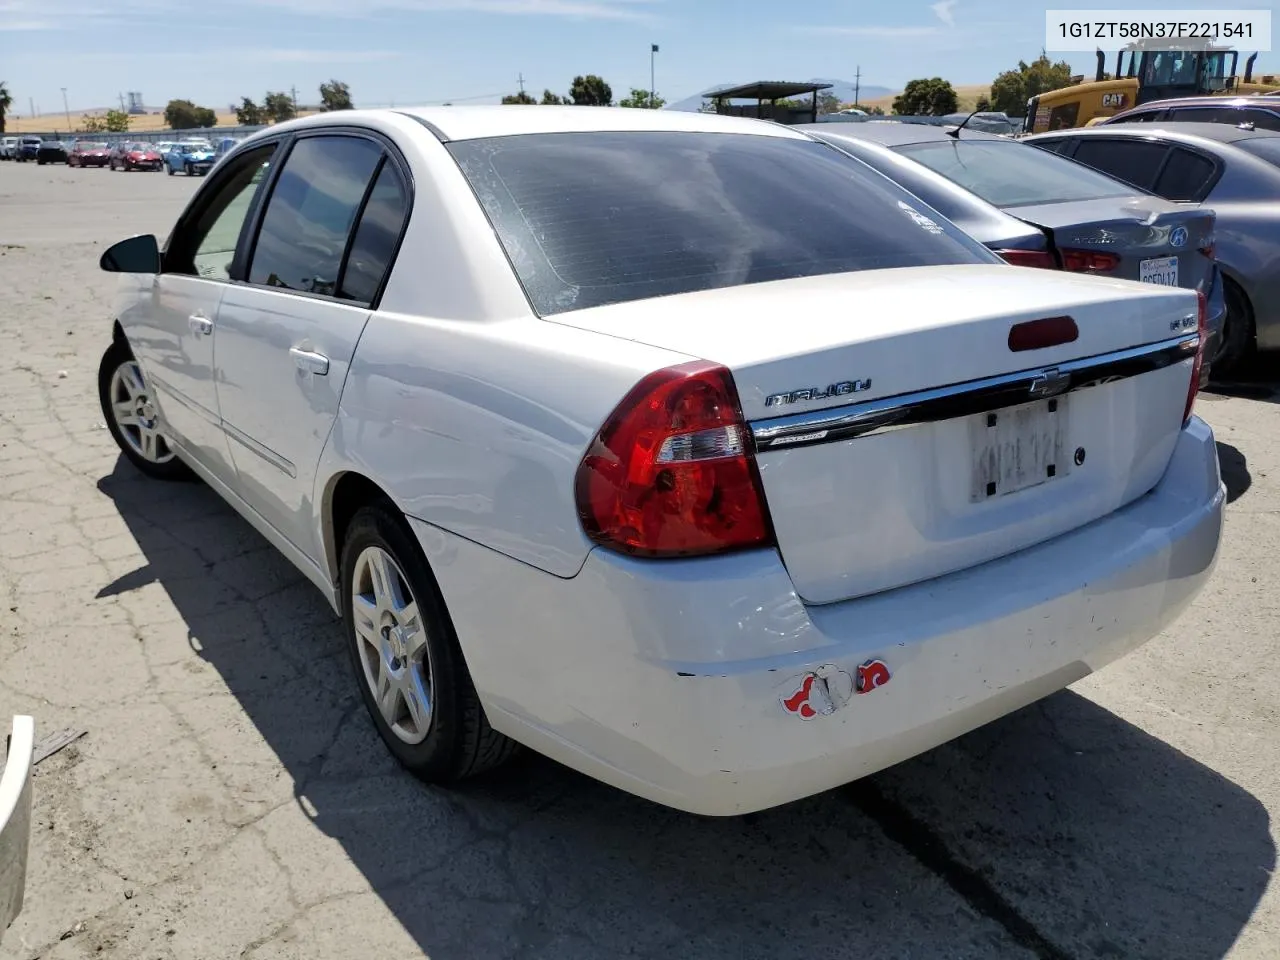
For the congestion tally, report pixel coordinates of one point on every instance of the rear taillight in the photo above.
(671, 473)
(1029, 258)
(1202, 326)
(1088, 261)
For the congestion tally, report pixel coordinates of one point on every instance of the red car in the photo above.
(135, 156)
(87, 154)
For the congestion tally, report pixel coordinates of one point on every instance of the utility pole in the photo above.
(857, 85)
(653, 52)
(66, 109)
(520, 80)
(31, 102)
(293, 95)
(121, 96)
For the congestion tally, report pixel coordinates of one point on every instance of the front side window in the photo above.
(589, 219)
(1008, 174)
(206, 246)
(311, 211)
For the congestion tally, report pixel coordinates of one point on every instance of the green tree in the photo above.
(335, 95)
(590, 91)
(1012, 89)
(90, 124)
(933, 97)
(249, 114)
(640, 98)
(708, 106)
(828, 102)
(184, 115)
(551, 99)
(278, 107)
(6, 101)
(116, 121)
(983, 105)
(520, 97)
(874, 111)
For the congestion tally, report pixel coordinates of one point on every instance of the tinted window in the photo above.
(1268, 148)
(1146, 116)
(376, 236)
(1203, 115)
(1061, 145)
(1064, 117)
(1261, 119)
(1185, 177)
(596, 218)
(205, 246)
(1008, 174)
(1133, 161)
(311, 212)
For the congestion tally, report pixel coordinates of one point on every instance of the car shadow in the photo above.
(1235, 471)
(1060, 831)
(1256, 378)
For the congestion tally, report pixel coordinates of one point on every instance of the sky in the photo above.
(430, 51)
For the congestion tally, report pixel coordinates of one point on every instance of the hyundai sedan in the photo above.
(680, 448)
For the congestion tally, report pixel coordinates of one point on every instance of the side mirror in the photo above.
(136, 255)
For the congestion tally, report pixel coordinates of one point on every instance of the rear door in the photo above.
(286, 336)
(1132, 160)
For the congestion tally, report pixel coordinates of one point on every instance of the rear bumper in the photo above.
(667, 679)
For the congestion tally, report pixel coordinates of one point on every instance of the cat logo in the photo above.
(1113, 100)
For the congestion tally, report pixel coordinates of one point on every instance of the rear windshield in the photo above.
(1266, 148)
(1011, 174)
(589, 219)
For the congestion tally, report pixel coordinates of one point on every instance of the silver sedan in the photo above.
(1236, 171)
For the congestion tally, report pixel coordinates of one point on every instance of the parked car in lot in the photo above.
(679, 447)
(223, 147)
(51, 151)
(192, 157)
(1039, 211)
(28, 148)
(8, 148)
(89, 153)
(1237, 172)
(134, 155)
(1262, 112)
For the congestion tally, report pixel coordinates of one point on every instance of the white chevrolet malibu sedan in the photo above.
(683, 449)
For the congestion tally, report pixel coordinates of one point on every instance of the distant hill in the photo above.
(839, 88)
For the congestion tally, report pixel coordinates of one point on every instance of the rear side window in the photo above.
(1186, 176)
(311, 211)
(1010, 174)
(376, 236)
(1133, 161)
(1145, 116)
(1265, 148)
(1060, 145)
(1261, 119)
(589, 219)
(1204, 115)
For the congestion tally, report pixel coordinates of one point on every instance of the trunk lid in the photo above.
(923, 355)
(1156, 240)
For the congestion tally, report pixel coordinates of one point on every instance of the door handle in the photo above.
(200, 326)
(310, 361)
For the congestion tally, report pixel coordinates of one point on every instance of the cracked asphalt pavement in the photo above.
(231, 799)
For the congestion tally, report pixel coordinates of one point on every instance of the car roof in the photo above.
(892, 133)
(1170, 130)
(1210, 101)
(473, 123)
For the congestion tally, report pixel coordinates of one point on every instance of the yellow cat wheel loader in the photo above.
(1152, 72)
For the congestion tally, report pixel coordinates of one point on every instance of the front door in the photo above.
(286, 338)
(173, 333)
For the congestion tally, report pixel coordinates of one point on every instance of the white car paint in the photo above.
(15, 818)
(667, 677)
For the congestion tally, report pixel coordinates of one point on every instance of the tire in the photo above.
(186, 167)
(453, 740)
(164, 465)
(169, 168)
(1238, 339)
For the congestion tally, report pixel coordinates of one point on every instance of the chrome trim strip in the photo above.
(963, 399)
(253, 446)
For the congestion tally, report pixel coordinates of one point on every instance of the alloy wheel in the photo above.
(134, 412)
(392, 644)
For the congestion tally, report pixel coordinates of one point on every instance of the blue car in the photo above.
(192, 157)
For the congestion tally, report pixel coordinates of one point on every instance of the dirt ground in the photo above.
(230, 799)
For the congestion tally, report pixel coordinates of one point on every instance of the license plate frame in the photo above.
(1018, 448)
(1162, 271)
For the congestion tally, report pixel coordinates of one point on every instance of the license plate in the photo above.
(1162, 270)
(1017, 448)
